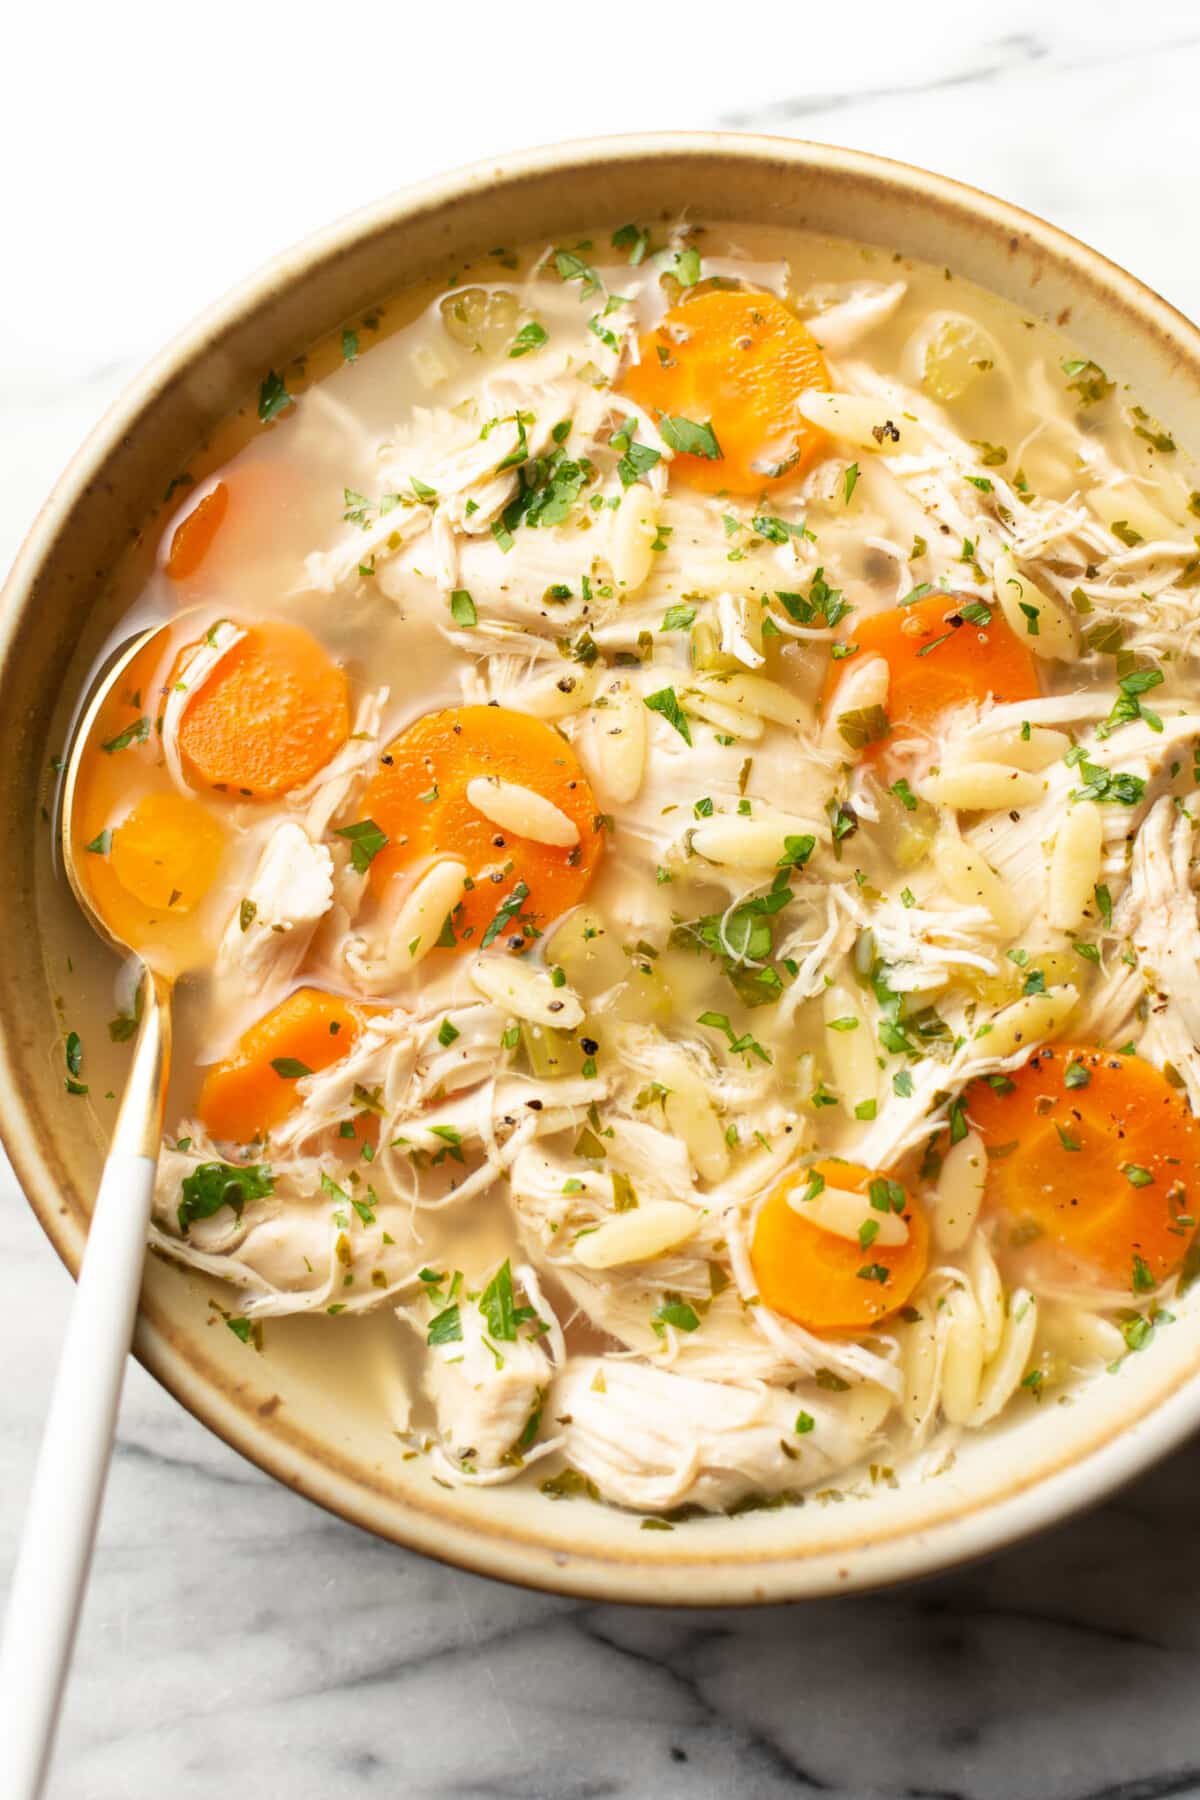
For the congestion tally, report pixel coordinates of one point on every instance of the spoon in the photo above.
(64, 1506)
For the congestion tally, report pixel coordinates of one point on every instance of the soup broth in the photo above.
(667, 774)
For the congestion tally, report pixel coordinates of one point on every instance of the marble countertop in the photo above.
(235, 1638)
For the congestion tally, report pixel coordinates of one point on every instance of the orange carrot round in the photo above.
(253, 1090)
(166, 850)
(193, 536)
(738, 362)
(1095, 1154)
(273, 712)
(937, 659)
(419, 800)
(828, 1283)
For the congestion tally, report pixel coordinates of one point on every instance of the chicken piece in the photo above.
(291, 1241)
(487, 1389)
(199, 661)
(266, 939)
(1014, 843)
(331, 787)
(1158, 912)
(853, 311)
(654, 1440)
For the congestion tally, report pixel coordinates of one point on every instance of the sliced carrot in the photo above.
(254, 1090)
(193, 536)
(828, 1283)
(123, 748)
(937, 659)
(270, 505)
(146, 855)
(738, 362)
(1095, 1154)
(419, 800)
(273, 712)
(165, 851)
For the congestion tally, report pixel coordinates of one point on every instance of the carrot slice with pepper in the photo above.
(1096, 1155)
(273, 712)
(937, 657)
(419, 801)
(253, 1090)
(193, 536)
(735, 363)
(828, 1283)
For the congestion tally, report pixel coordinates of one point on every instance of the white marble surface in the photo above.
(236, 1639)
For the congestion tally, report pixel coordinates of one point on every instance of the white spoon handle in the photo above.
(60, 1525)
(56, 1548)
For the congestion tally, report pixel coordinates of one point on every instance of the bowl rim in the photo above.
(1020, 1509)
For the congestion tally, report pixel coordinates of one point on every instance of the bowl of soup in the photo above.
(668, 782)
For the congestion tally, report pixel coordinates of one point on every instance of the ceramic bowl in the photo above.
(335, 1445)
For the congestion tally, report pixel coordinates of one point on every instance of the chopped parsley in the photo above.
(636, 459)
(273, 397)
(778, 531)
(633, 238)
(666, 703)
(445, 1327)
(1142, 1280)
(875, 1272)
(1128, 705)
(1088, 380)
(73, 1056)
(530, 337)
(746, 1045)
(508, 910)
(677, 1313)
(687, 266)
(1114, 786)
(822, 606)
(210, 1186)
(366, 840)
(137, 733)
(690, 438)
(498, 1308)
(290, 1068)
(573, 268)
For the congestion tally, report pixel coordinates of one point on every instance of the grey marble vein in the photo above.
(1006, 56)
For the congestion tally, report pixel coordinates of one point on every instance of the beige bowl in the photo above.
(335, 1446)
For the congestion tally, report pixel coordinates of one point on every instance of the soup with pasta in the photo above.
(671, 774)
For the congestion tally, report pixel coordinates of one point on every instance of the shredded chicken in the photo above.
(654, 1440)
(488, 1391)
(267, 938)
(1159, 916)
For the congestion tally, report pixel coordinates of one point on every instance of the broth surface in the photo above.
(670, 776)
